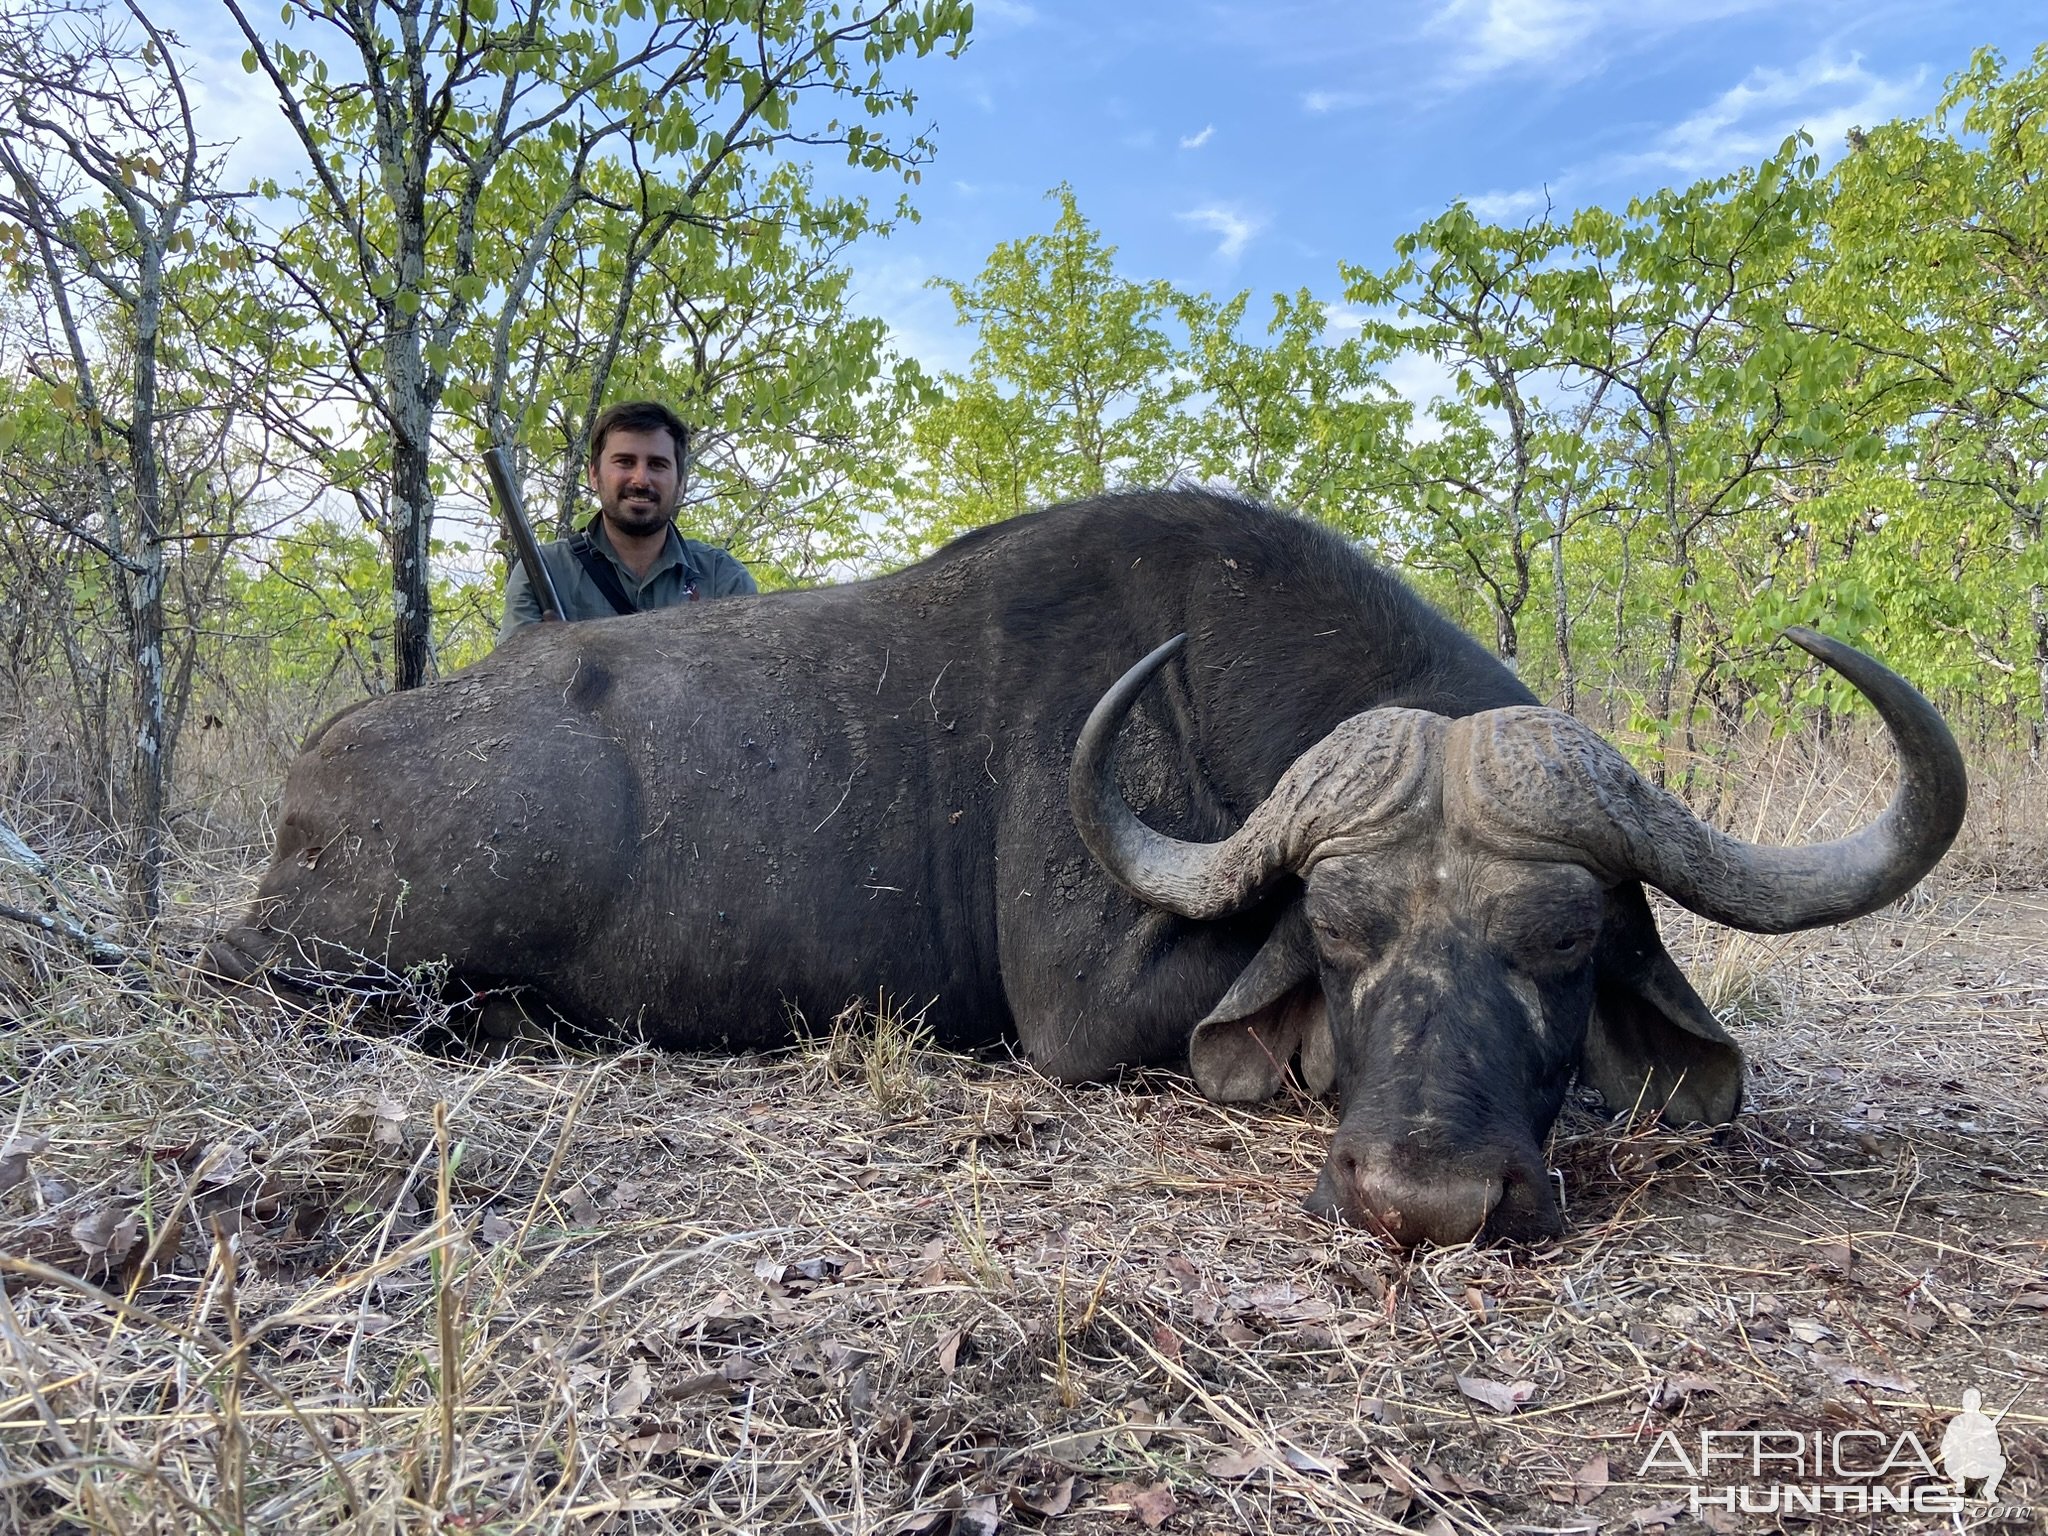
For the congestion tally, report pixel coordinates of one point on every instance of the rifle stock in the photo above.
(510, 507)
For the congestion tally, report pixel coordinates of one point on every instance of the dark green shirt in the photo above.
(683, 564)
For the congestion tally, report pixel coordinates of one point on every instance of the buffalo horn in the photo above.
(1780, 890)
(1350, 783)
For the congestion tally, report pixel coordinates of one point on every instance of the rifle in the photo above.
(506, 492)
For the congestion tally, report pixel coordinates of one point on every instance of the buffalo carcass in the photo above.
(1356, 842)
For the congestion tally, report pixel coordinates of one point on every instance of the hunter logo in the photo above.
(1969, 1448)
(1851, 1471)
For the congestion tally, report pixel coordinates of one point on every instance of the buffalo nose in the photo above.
(1416, 1200)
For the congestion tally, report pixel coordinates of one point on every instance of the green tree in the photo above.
(1937, 272)
(1461, 295)
(1291, 417)
(108, 211)
(1678, 309)
(744, 326)
(1071, 389)
(413, 115)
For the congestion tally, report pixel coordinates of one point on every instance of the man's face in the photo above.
(637, 479)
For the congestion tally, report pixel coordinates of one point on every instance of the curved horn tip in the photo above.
(1814, 643)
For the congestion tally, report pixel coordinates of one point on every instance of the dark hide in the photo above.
(700, 826)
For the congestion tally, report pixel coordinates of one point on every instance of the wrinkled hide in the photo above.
(712, 826)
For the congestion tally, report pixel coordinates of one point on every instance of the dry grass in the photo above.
(279, 1271)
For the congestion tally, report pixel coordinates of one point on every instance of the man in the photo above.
(629, 558)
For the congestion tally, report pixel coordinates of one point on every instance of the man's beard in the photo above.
(638, 518)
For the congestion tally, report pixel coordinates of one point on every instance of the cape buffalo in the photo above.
(1357, 841)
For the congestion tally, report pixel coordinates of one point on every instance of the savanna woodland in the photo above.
(321, 1264)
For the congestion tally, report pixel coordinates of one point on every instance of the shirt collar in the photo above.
(672, 551)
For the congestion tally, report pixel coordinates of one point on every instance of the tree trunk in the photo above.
(145, 615)
(1561, 625)
(412, 523)
(412, 401)
(2025, 537)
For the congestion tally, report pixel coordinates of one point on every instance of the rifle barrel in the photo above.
(513, 509)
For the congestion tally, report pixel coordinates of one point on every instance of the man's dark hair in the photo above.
(640, 416)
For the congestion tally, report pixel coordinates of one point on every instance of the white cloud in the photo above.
(1319, 102)
(1197, 140)
(1824, 96)
(1568, 38)
(1509, 207)
(922, 321)
(1236, 228)
(1420, 380)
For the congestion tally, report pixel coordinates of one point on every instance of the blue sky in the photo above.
(1227, 144)
(1258, 143)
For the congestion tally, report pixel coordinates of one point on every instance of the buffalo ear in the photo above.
(1239, 1053)
(1652, 1041)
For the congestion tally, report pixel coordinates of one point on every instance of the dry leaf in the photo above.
(1151, 1505)
(979, 1516)
(14, 1158)
(1232, 1465)
(1399, 1476)
(1140, 1417)
(1047, 1498)
(1075, 1450)
(108, 1235)
(582, 1209)
(387, 1122)
(1656, 1515)
(1446, 1481)
(626, 1400)
(1847, 1374)
(1308, 1461)
(949, 1349)
(1166, 1341)
(495, 1229)
(1673, 1390)
(655, 1444)
(1492, 1394)
(1590, 1481)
